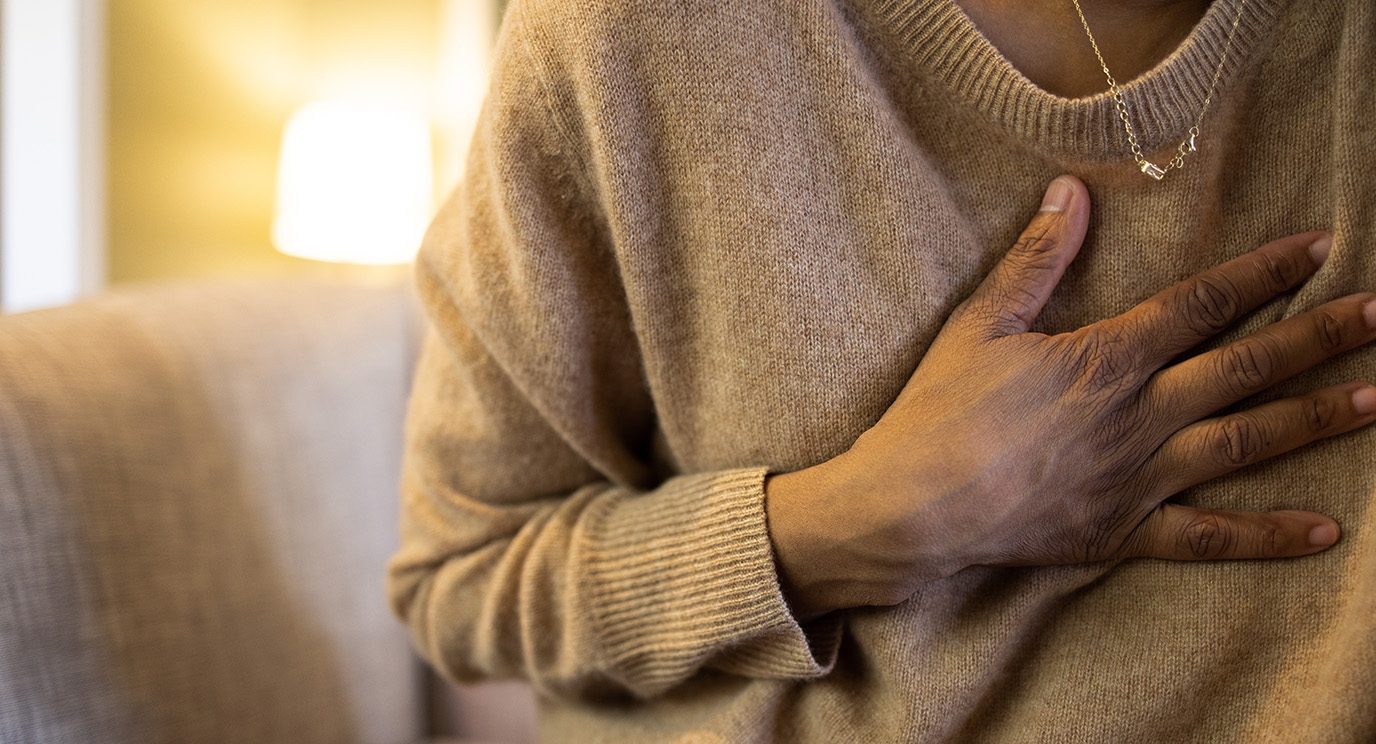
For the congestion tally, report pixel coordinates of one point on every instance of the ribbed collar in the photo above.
(941, 39)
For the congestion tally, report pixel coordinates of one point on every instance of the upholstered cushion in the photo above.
(198, 493)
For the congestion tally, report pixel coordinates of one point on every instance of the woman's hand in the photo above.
(1014, 448)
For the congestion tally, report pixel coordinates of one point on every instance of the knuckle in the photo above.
(1099, 536)
(1280, 269)
(988, 313)
(1320, 412)
(1136, 543)
(966, 309)
(1273, 540)
(1106, 360)
(1017, 306)
(1038, 241)
(1120, 420)
(1152, 417)
(1329, 330)
(969, 311)
(1239, 441)
(1207, 536)
(1246, 366)
(1210, 304)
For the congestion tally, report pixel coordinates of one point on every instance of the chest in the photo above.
(790, 282)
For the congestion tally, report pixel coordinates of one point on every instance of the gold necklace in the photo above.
(1189, 144)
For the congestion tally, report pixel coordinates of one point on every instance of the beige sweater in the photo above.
(701, 241)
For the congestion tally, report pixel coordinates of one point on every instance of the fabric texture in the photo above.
(197, 497)
(696, 243)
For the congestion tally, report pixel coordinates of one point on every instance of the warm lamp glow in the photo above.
(355, 184)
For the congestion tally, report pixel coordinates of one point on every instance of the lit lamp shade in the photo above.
(355, 184)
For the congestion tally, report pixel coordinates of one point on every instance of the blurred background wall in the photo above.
(199, 93)
(142, 137)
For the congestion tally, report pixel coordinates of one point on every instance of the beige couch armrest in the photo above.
(198, 492)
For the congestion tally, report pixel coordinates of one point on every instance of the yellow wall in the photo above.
(199, 91)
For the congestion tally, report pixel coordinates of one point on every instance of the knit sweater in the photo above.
(699, 242)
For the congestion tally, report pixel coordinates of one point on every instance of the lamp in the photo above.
(355, 184)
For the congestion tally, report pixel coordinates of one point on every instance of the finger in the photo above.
(1185, 533)
(1205, 383)
(1213, 447)
(1011, 296)
(1194, 309)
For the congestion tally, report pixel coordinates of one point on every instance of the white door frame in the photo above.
(52, 155)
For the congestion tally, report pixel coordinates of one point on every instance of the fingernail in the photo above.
(1057, 196)
(1364, 400)
(1324, 534)
(1369, 313)
(1318, 250)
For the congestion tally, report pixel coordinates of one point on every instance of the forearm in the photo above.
(604, 588)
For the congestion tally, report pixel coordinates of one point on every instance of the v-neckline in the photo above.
(939, 37)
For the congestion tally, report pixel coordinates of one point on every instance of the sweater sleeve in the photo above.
(536, 540)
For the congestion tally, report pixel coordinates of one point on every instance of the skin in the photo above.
(1013, 448)
(1133, 35)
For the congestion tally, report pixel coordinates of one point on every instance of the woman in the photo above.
(740, 419)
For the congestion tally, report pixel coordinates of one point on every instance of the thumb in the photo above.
(1011, 296)
(1184, 533)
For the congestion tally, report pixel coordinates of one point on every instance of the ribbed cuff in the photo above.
(685, 574)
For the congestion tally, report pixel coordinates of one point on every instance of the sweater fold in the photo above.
(700, 242)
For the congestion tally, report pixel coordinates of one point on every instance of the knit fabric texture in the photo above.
(699, 242)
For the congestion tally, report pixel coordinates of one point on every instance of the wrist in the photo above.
(842, 540)
(807, 543)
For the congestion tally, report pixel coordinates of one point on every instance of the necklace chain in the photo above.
(1189, 144)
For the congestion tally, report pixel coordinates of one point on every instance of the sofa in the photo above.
(198, 493)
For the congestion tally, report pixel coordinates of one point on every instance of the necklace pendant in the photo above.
(1153, 170)
(1192, 147)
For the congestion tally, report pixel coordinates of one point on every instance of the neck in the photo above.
(1133, 35)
